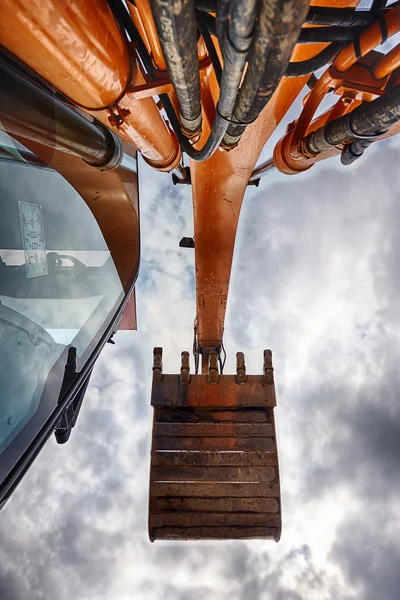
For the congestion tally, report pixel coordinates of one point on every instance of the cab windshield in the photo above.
(59, 287)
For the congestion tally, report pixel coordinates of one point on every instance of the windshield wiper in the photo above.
(71, 412)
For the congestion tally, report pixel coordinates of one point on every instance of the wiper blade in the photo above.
(71, 412)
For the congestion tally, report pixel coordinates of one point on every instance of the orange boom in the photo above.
(87, 84)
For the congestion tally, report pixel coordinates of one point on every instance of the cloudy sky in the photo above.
(316, 279)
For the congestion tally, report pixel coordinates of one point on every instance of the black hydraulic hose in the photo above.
(125, 22)
(209, 21)
(207, 5)
(176, 26)
(352, 152)
(368, 118)
(371, 119)
(317, 35)
(305, 67)
(241, 24)
(204, 30)
(221, 21)
(340, 17)
(275, 36)
(346, 17)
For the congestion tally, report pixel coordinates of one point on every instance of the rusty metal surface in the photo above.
(213, 430)
(214, 519)
(170, 392)
(268, 506)
(215, 490)
(189, 415)
(214, 443)
(214, 468)
(208, 459)
(216, 533)
(214, 473)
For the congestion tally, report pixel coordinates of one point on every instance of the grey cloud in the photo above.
(350, 434)
(79, 518)
(257, 576)
(369, 556)
(9, 589)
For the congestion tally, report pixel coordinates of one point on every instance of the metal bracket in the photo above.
(177, 181)
(186, 242)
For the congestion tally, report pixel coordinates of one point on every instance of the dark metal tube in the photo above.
(31, 112)
(262, 170)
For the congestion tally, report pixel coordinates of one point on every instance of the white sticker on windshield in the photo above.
(31, 219)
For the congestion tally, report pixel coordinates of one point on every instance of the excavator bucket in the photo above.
(214, 464)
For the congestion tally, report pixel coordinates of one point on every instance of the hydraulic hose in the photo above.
(124, 21)
(207, 5)
(205, 32)
(276, 34)
(369, 120)
(320, 35)
(176, 26)
(241, 22)
(221, 21)
(305, 67)
(340, 17)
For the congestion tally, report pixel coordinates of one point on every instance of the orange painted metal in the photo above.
(129, 318)
(139, 25)
(146, 18)
(79, 49)
(60, 40)
(388, 63)
(289, 156)
(219, 185)
(369, 39)
(148, 90)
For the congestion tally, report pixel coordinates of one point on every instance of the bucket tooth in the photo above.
(214, 465)
(157, 365)
(268, 368)
(213, 375)
(241, 378)
(185, 368)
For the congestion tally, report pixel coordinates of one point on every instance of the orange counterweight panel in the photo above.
(79, 49)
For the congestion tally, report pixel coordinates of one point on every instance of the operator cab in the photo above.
(62, 291)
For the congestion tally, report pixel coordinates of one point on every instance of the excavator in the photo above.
(197, 88)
